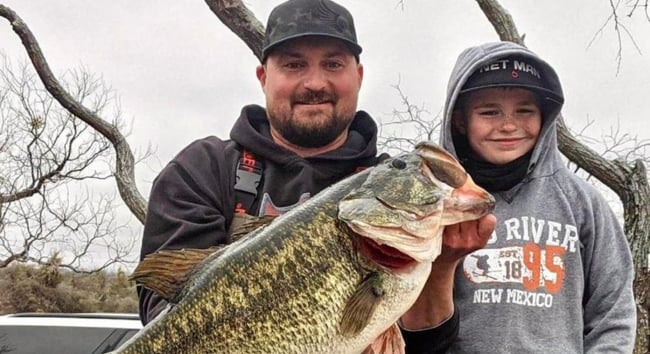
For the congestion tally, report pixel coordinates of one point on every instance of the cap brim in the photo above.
(354, 48)
(539, 90)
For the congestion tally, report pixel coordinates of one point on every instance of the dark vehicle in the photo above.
(69, 333)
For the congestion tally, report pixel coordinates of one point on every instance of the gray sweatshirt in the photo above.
(556, 275)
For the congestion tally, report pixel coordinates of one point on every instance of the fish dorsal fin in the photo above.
(167, 271)
(389, 342)
(362, 305)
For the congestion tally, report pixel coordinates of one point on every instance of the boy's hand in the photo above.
(435, 304)
(464, 238)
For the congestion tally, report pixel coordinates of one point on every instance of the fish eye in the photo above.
(398, 164)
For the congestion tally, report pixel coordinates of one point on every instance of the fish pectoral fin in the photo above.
(362, 305)
(389, 342)
(243, 224)
(167, 271)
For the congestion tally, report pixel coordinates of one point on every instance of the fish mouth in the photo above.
(396, 245)
(384, 255)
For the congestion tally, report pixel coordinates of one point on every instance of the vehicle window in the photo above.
(42, 339)
(114, 341)
(126, 337)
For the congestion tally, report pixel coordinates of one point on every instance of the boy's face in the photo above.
(501, 124)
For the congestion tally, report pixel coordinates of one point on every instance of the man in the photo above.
(556, 275)
(308, 137)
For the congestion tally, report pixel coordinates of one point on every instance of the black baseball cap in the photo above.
(516, 71)
(299, 18)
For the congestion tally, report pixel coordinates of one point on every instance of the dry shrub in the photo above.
(31, 296)
(51, 289)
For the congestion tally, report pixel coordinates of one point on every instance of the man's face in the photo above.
(311, 86)
(502, 124)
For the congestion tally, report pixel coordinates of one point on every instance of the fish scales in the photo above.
(311, 273)
(284, 288)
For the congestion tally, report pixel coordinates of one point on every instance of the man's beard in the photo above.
(307, 134)
(312, 137)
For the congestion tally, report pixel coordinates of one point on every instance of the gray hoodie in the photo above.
(556, 275)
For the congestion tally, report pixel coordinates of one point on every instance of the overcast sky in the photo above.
(181, 74)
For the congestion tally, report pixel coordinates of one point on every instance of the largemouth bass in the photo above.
(331, 276)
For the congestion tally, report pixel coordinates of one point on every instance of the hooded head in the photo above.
(507, 65)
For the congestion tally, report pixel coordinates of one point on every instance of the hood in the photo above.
(475, 58)
(252, 131)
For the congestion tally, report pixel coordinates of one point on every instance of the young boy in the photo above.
(556, 275)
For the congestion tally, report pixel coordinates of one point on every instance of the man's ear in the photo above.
(458, 121)
(260, 72)
(360, 73)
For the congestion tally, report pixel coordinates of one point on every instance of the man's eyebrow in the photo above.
(336, 53)
(288, 53)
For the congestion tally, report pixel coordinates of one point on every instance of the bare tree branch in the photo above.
(409, 126)
(124, 174)
(58, 146)
(45, 153)
(618, 26)
(637, 4)
(76, 226)
(241, 21)
(501, 21)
